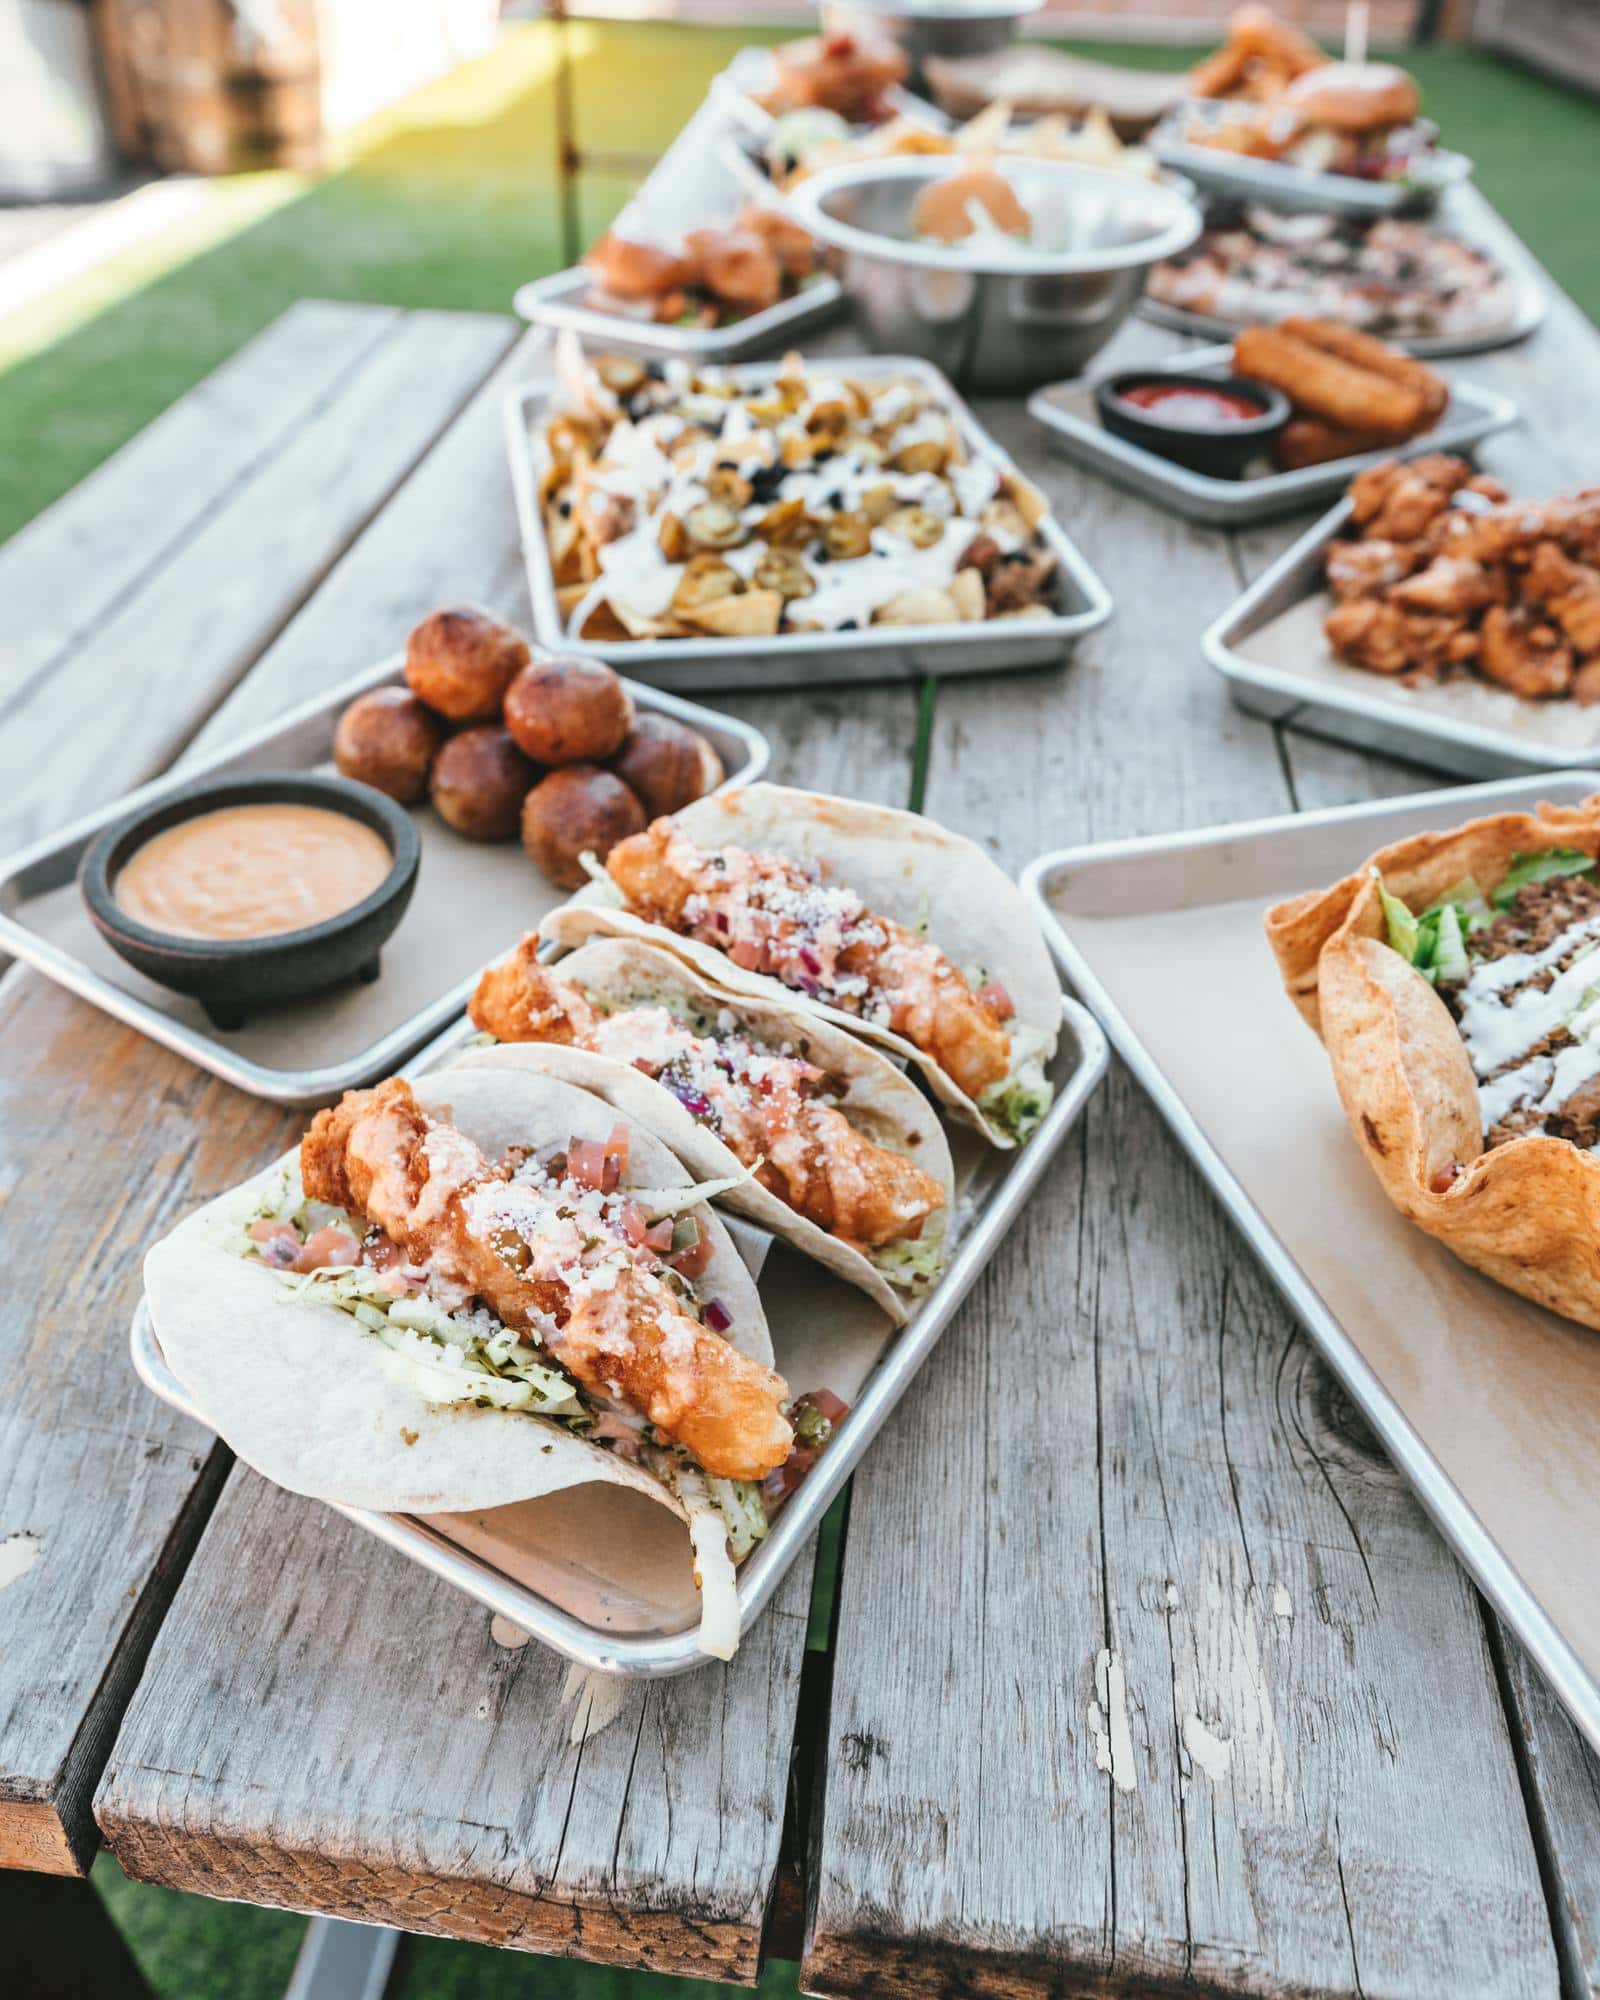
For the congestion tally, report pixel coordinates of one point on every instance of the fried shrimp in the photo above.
(777, 917)
(523, 1248)
(763, 1105)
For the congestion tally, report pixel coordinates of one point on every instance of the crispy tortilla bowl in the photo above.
(1526, 1212)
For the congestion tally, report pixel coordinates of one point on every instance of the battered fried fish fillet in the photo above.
(806, 1153)
(614, 1327)
(774, 917)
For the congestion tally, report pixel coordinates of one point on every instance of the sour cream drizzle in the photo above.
(1497, 1030)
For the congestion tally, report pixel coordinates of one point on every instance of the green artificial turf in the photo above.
(450, 200)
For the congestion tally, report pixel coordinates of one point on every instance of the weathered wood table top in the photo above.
(1124, 1493)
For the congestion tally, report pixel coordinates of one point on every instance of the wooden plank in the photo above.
(1561, 1775)
(102, 1491)
(104, 1141)
(1147, 1665)
(127, 699)
(324, 1726)
(63, 573)
(431, 1783)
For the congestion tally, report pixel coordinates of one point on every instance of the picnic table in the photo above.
(1124, 1516)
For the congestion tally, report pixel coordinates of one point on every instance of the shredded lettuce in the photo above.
(607, 890)
(1019, 1101)
(1541, 867)
(915, 1260)
(1436, 941)
(743, 1510)
(660, 1202)
(713, 1563)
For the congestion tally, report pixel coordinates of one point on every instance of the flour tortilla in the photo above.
(318, 1405)
(878, 1099)
(902, 866)
(1527, 1212)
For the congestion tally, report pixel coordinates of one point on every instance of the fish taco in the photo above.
(478, 1289)
(880, 920)
(826, 1143)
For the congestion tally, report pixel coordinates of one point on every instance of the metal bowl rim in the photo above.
(807, 200)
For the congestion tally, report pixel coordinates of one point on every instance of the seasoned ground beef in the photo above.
(1541, 912)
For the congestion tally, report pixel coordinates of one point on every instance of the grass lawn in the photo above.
(449, 200)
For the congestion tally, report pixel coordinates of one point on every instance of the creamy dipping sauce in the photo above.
(252, 871)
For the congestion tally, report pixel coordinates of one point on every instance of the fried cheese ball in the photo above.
(480, 779)
(461, 661)
(577, 810)
(388, 739)
(568, 711)
(666, 764)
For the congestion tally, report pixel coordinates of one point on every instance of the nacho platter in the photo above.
(810, 659)
(1481, 1398)
(630, 1611)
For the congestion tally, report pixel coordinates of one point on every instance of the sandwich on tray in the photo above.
(879, 921)
(1453, 980)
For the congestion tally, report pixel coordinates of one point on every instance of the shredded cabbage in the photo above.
(916, 1260)
(658, 1203)
(597, 875)
(713, 1564)
(1019, 1101)
(744, 1512)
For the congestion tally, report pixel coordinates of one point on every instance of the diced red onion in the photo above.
(718, 1318)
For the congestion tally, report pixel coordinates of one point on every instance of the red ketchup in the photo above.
(1190, 408)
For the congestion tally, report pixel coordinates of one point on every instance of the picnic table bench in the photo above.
(1124, 1517)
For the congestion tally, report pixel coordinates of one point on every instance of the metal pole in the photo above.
(343, 1961)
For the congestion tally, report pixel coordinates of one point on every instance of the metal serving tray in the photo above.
(557, 301)
(809, 659)
(1072, 426)
(1268, 646)
(1304, 190)
(734, 92)
(1484, 1401)
(812, 1313)
(1529, 293)
(470, 904)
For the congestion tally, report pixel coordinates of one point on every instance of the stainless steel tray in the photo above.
(471, 902)
(1529, 293)
(1268, 647)
(557, 301)
(1304, 190)
(1072, 426)
(798, 1295)
(734, 91)
(809, 659)
(1481, 1398)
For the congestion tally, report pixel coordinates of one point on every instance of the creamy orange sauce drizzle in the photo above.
(252, 871)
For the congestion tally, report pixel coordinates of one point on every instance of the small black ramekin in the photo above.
(233, 977)
(1222, 453)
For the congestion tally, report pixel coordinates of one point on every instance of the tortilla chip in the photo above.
(966, 593)
(1527, 1213)
(918, 607)
(755, 614)
(1030, 502)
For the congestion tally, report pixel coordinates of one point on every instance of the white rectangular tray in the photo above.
(1268, 646)
(1071, 423)
(810, 659)
(557, 301)
(1485, 1402)
(471, 904)
(580, 1571)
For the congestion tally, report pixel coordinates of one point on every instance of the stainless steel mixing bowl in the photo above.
(996, 318)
